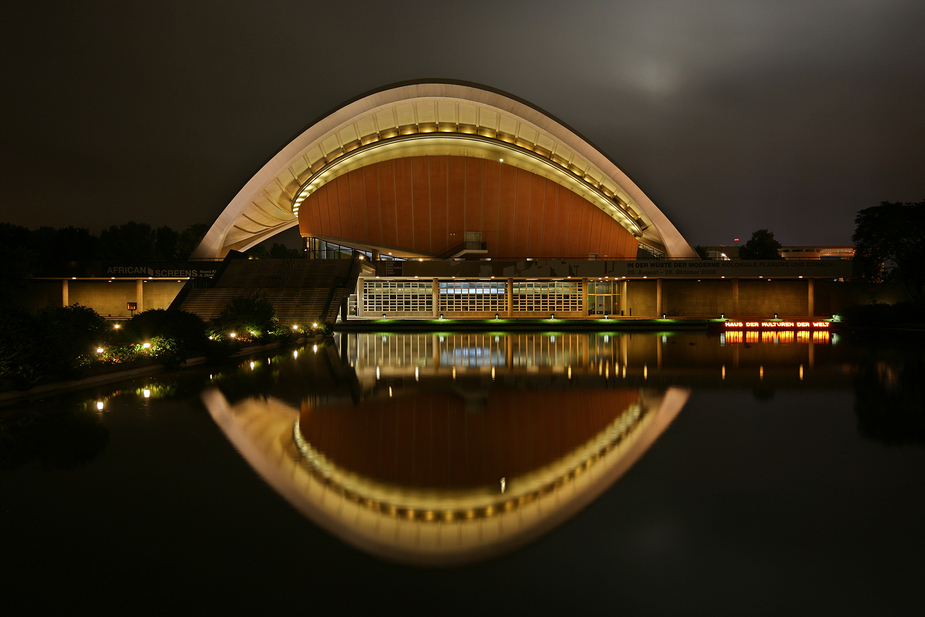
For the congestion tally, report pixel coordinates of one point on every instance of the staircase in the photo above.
(303, 291)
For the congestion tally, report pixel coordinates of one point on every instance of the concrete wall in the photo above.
(764, 298)
(708, 298)
(640, 299)
(109, 299)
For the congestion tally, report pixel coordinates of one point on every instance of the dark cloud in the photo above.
(732, 116)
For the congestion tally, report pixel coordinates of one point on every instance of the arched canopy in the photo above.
(424, 120)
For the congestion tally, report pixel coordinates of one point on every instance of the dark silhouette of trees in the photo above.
(889, 244)
(761, 246)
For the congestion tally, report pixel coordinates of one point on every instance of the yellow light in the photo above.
(146, 393)
(147, 346)
(314, 349)
(117, 326)
(390, 391)
(314, 325)
(252, 366)
(232, 335)
(99, 405)
(295, 354)
(295, 327)
(99, 350)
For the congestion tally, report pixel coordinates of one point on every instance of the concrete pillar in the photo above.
(811, 296)
(360, 289)
(509, 285)
(735, 298)
(64, 293)
(436, 297)
(140, 295)
(658, 298)
(584, 298)
(624, 299)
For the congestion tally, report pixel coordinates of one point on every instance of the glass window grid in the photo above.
(547, 296)
(473, 296)
(392, 296)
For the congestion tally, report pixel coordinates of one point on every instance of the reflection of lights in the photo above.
(314, 349)
(606, 339)
(503, 484)
(417, 373)
(146, 393)
(761, 372)
(724, 371)
(454, 372)
(99, 405)
(492, 373)
(390, 391)
(295, 354)
(552, 339)
(377, 372)
(624, 371)
(801, 372)
(570, 372)
(645, 371)
(252, 366)
(497, 339)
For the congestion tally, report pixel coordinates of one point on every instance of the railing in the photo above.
(462, 246)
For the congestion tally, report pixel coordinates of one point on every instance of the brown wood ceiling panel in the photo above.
(425, 204)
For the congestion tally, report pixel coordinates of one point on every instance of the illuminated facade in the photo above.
(466, 202)
(413, 169)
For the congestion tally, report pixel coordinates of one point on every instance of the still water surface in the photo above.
(651, 474)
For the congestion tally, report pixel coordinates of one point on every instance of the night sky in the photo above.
(732, 116)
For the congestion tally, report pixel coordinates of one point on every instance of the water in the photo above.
(726, 476)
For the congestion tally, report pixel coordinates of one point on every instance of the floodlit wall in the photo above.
(109, 299)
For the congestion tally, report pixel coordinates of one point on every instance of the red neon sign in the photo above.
(776, 325)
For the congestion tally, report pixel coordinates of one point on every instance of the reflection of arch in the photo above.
(433, 440)
(427, 526)
(417, 127)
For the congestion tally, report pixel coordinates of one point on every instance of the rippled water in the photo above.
(654, 474)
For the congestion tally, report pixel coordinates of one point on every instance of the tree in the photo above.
(889, 242)
(702, 252)
(761, 246)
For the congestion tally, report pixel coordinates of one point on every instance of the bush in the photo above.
(249, 317)
(53, 344)
(173, 334)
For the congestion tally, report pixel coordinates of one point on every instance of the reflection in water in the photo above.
(890, 395)
(447, 448)
(446, 467)
(55, 437)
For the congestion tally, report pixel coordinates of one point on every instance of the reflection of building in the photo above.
(431, 480)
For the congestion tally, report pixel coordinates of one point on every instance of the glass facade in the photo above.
(547, 296)
(390, 296)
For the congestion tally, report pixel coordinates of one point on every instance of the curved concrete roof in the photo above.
(418, 118)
